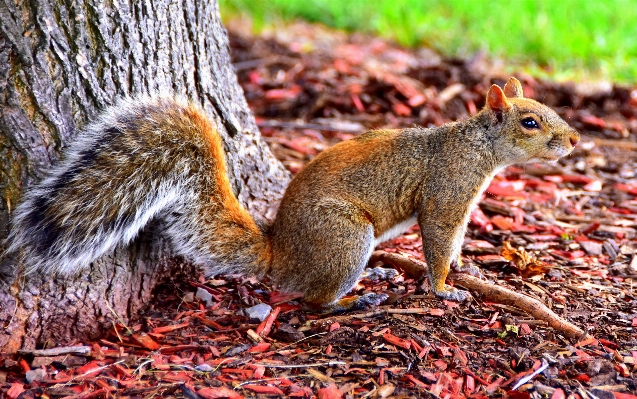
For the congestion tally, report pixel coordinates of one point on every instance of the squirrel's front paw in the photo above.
(454, 294)
(370, 299)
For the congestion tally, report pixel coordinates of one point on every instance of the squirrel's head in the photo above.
(528, 131)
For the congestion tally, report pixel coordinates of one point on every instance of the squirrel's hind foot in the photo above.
(351, 303)
(369, 299)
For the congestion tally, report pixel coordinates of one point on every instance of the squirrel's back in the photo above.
(143, 158)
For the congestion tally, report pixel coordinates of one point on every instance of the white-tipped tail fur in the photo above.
(143, 158)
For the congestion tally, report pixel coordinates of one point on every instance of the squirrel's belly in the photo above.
(396, 230)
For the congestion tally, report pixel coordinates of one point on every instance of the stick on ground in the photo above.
(416, 269)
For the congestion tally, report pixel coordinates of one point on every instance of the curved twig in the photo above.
(417, 269)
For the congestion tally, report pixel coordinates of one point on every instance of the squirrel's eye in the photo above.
(530, 123)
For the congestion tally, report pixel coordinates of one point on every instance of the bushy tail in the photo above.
(143, 158)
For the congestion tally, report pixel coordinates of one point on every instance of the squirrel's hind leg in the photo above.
(339, 252)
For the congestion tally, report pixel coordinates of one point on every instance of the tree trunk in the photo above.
(60, 63)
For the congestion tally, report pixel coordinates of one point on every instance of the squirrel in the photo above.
(148, 158)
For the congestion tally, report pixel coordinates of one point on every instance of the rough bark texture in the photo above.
(60, 62)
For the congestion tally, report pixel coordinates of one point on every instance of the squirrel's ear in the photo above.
(497, 101)
(513, 88)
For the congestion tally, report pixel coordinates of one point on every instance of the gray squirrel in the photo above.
(148, 158)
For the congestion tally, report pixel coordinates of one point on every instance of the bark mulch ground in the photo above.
(562, 233)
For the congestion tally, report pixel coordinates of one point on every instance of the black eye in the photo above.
(530, 123)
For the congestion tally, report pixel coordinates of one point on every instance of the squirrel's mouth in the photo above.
(546, 158)
(558, 153)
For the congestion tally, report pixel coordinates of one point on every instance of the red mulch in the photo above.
(563, 233)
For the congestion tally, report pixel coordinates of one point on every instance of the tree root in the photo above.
(417, 269)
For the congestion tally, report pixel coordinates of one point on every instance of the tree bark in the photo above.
(60, 63)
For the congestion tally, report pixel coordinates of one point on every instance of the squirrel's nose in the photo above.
(574, 137)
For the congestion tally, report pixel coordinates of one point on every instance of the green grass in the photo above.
(564, 39)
